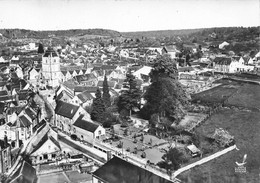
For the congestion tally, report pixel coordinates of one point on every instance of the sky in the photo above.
(128, 15)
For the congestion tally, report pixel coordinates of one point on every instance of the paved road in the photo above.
(73, 144)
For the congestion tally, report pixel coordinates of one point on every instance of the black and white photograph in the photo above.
(129, 91)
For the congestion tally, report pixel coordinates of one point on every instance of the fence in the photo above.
(204, 160)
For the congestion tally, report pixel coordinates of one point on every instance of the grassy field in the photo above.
(245, 127)
(247, 96)
(60, 177)
(216, 95)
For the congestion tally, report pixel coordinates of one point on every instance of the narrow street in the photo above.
(92, 153)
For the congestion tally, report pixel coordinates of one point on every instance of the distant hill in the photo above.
(161, 33)
(202, 33)
(23, 33)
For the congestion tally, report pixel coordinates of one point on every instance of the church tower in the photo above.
(51, 67)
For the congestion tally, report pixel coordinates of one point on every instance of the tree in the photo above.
(165, 96)
(130, 96)
(172, 159)
(40, 48)
(98, 108)
(106, 95)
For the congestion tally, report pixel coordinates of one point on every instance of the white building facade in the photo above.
(51, 68)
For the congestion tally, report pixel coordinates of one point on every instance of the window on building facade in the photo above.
(45, 156)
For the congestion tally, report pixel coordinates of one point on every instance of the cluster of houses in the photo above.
(19, 119)
(75, 74)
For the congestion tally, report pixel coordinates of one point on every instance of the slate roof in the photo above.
(60, 96)
(105, 67)
(85, 77)
(222, 60)
(117, 170)
(24, 94)
(85, 96)
(3, 93)
(6, 98)
(90, 89)
(30, 112)
(2, 83)
(70, 84)
(2, 107)
(119, 81)
(184, 69)
(16, 84)
(3, 145)
(43, 140)
(25, 174)
(236, 58)
(66, 109)
(85, 125)
(64, 73)
(24, 122)
(111, 84)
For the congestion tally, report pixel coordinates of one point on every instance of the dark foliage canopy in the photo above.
(130, 96)
(40, 48)
(172, 159)
(98, 107)
(106, 95)
(165, 95)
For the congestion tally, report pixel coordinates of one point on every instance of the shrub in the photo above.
(143, 155)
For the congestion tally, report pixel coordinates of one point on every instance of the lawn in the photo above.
(59, 177)
(245, 127)
(217, 94)
(53, 178)
(247, 96)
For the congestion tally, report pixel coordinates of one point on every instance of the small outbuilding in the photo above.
(194, 151)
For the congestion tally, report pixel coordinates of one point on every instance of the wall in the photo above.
(87, 136)
(95, 180)
(204, 160)
(101, 129)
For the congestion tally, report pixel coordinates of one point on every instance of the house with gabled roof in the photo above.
(64, 96)
(231, 64)
(85, 98)
(5, 156)
(66, 114)
(87, 79)
(9, 131)
(46, 150)
(25, 174)
(90, 89)
(31, 114)
(5, 96)
(111, 84)
(170, 50)
(118, 170)
(87, 130)
(68, 90)
(3, 85)
(24, 125)
(23, 97)
(34, 75)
